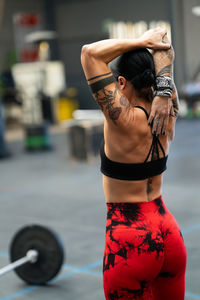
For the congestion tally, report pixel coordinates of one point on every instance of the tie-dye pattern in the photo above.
(145, 255)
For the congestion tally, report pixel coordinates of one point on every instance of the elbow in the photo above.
(86, 52)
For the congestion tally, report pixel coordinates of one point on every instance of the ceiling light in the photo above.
(196, 11)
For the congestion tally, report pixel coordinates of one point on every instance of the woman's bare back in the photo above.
(132, 145)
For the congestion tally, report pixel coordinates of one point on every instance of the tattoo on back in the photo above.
(107, 101)
(149, 186)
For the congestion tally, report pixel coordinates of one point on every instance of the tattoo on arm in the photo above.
(107, 101)
(169, 54)
(106, 97)
(99, 76)
(100, 84)
(167, 70)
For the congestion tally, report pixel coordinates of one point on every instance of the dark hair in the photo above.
(137, 66)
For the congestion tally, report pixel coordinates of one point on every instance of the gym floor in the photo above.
(50, 189)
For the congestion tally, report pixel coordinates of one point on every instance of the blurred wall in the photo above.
(192, 38)
(6, 31)
(81, 21)
(186, 28)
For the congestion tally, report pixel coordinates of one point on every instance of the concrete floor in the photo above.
(47, 188)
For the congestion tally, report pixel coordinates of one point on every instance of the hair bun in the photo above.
(146, 79)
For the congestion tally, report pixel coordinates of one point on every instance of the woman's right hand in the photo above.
(156, 39)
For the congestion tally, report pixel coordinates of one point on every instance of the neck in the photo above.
(144, 98)
(145, 104)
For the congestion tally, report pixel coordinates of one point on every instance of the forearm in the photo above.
(96, 56)
(163, 60)
(107, 50)
(175, 100)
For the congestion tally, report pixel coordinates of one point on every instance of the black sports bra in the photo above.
(136, 171)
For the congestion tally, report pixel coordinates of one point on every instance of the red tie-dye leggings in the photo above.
(145, 254)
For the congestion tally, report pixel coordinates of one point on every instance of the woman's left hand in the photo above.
(160, 110)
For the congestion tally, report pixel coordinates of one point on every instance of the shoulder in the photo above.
(134, 123)
(141, 121)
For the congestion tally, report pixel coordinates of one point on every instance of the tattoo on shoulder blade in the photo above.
(165, 71)
(107, 101)
(124, 102)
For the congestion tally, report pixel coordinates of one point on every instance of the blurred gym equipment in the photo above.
(36, 255)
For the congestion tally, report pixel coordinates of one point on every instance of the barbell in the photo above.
(36, 254)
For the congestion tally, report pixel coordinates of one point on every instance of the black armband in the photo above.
(100, 84)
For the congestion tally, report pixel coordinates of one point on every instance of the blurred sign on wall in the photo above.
(25, 23)
(133, 30)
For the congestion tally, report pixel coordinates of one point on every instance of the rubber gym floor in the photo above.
(48, 188)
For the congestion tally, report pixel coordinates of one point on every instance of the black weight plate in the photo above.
(51, 253)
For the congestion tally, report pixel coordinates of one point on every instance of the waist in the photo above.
(132, 191)
(135, 211)
(137, 215)
(132, 205)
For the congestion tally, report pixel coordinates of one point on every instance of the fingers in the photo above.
(160, 123)
(165, 38)
(165, 46)
(155, 125)
(151, 117)
(172, 112)
(165, 41)
(162, 30)
(165, 125)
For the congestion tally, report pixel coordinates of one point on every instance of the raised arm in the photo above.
(164, 107)
(95, 58)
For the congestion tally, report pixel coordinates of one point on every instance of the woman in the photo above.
(145, 255)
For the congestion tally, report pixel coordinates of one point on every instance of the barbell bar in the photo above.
(31, 257)
(36, 254)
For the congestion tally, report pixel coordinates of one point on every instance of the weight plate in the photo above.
(49, 247)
